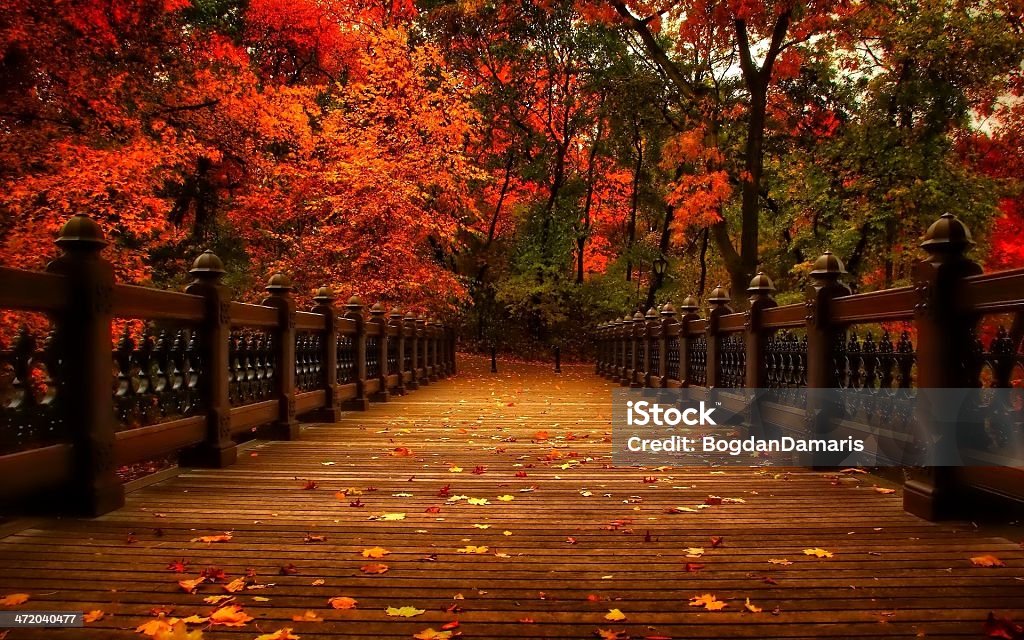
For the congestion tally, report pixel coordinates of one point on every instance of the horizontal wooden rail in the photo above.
(197, 371)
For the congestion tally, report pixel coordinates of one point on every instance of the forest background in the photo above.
(518, 166)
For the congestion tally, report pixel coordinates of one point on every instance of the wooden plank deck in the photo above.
(578, 538)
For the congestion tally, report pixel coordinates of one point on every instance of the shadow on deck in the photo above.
(495, 500)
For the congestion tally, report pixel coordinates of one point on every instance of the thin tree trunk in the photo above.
(638, 145)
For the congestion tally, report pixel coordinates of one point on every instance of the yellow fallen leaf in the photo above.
(189, 586)
(614, 615)
(472, 549)
(432, 634)
(235, 585)
(506, 498)
(230, 616)
(217, 599)
(482, 526)
(987, 561)
(375, 552)
(153, 627)
(708, 601)
(194, 619)
(751, 608)
(388, 516)
(14, 599)
(93, 616)
(884, 491)
(478, 501)
(178, 631)
(404, 612)
(820, 553)
(309, 616)
(506, 533)
(455, 469)
(782, 561)
(343, 602)
(318, 582)
(694, 552)
(280, 634)
(224, 537)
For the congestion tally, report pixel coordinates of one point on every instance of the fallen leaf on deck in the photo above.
(189, 586)
(343, 602)
(374, 568)
(884, 491)
(781, 561)
(432, 634)
(614, 615)
(235, 585)
(1005, 628)
(230, 616)
(388, 516)
(478, 501)
(608, 634)
(14, 599)
(506, 498)
(217, 599)
(178, 631)
(404, 612)
(93, 616)
(309, 616)
(223, 537)
(280, 634)
(153, 627)
(375, 552)
(694, 552)
(472, 549)
(751, 608)
(708, 601)
(820, 553)
(987, 561)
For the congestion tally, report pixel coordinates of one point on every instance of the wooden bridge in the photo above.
(491, 502)
(484, 504)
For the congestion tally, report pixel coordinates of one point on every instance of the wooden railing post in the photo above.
(397, 322)
(625, 339)
(331, 411)
(823, 337)
(84, 341)
(689, 309)
(421, 340)
(435, 373)
(637, 333)
(285, 427)
(412, 343)
(669, 330)
(377, 317)
(218, 449)
(719, 303)
(652, 333)
(756, 340)
(944, 341)
(354, 312)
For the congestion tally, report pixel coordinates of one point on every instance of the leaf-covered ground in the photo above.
(487, 506)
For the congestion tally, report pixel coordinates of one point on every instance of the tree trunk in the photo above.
(638, 144)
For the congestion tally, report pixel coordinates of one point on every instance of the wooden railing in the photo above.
(956, 327)
(190, 372)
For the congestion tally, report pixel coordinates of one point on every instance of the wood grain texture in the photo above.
(583, 537)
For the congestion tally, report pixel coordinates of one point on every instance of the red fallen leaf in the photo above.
(650, 479)
(999, 627)
(454, 624)
(769, 580)
(526, 620)
(444, 491)
(131, 539)
(310, 485)
(593, 598)
(357, 503)
(433, 510)
(717, 541)
(312, 537)
(288, 570)
(401, 452)
(693, 567)
(540, 435)
(713, 500)
(479, 470)
(570, 540)
(213, 574)
(178, 566)
(520, 474)
(455, 608)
